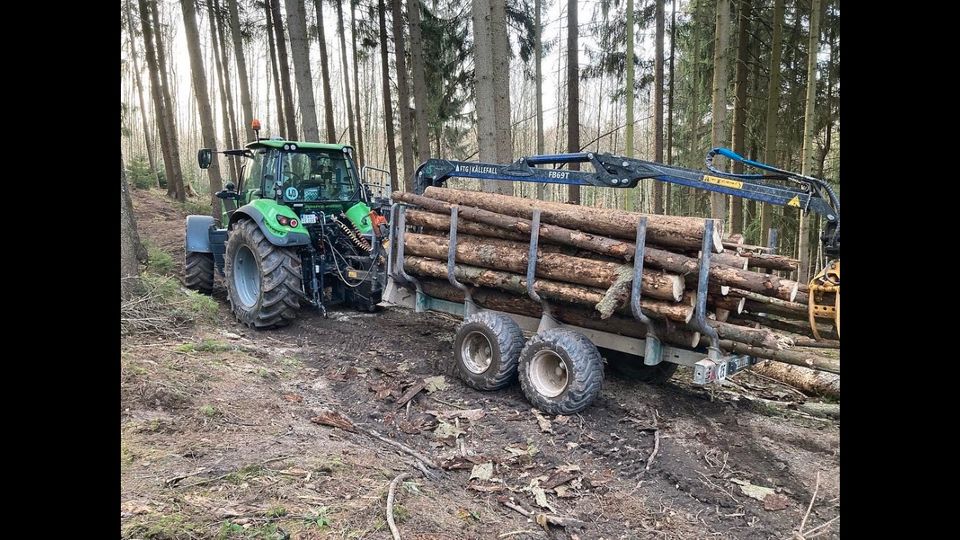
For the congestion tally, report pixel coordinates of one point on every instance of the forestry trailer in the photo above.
(304, 226)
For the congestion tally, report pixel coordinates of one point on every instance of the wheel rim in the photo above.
(548, 373)
(246, 277)
(477, 352)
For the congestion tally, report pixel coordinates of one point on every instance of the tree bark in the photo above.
(219, 64)
(538, 85)
(290, 117)
(275, 70)
(169, 110)
(345, 71)
(573, 92)
(629, 82)
(512, 256)
(803, 244)
(740, 107)
(387, 101)
(718, 201)
(788, 357)
(772, 262)
(658, 201)
(325, 75)
(758, 337)
(361, 158)
(403, 95)
(670, 231)
(773, 110)
(231, 107)
(418, 74)
(203, 101)
(300, 50)
(246, 103)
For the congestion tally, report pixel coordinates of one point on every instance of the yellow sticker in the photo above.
(795, 201)
(725, 182)
(351, 273)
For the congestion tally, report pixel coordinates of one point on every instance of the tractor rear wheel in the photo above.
(486, 348)
(264, 282)
(631, 366)
(561, 371)
(198, 272)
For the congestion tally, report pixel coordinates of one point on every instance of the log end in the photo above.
(718, 236)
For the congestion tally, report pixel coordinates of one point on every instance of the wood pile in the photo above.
(585, 270)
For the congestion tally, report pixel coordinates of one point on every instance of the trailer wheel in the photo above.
(561, 371)
(631, 366)
(487, 348)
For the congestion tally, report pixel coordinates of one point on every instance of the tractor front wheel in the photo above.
(264, 281)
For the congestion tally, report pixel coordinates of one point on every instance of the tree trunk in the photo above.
(325, 75)
(246, 103)
(773, 262)
(203, 101)
(140, 100)
(131, 250)
(168, 138)
(658, 201)
(803, 244)
(673, 49)
(403, 94)
(789, 357)
(345, 72)
(812, 382)
(573, 93)
(274, 67)
(300, 50)
(290, 117)
(387, 101)
(757, 337)
(773, 111)
(441, 223)
(224, 60)
(538, 69)
(512, 256)
(361, 160)
(661, 230)
(740, 107)
(718, 201)
(179, 193)
(629, 82)
(222, 80)
(418, 74)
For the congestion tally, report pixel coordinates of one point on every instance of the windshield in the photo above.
(317, 175)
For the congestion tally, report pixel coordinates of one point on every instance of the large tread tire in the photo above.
(280, 284)
(505, 341)
(631, 366)
(581, 361)
(198, 272)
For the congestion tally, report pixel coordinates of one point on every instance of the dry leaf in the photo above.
(755, 492)
(434, 384)
(482, 471)
(774, 502)
(545, 425)
(446, 430)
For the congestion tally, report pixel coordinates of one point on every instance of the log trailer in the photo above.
(560, 368)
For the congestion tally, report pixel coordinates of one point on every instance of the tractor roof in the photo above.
(274, 143)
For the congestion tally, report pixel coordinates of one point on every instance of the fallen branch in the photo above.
(406, 449)
(803, 522)
(390, 495)
(656, 442)
(542, 518)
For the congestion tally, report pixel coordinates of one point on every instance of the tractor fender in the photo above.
(291, 238)
(198, 234)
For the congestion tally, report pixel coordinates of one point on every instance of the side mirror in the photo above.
(230, 186)
(204, 157)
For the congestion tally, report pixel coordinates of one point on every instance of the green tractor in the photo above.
(301, 226)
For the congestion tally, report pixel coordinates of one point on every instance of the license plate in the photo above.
(308, 218)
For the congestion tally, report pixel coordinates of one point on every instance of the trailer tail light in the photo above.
(294, 223)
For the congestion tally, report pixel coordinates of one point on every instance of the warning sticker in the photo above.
(795, 201)
(725, 182)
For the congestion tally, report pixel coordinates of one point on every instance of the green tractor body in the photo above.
(301, 225)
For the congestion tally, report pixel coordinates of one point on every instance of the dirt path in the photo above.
(229, 410)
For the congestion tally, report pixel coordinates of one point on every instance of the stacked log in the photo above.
(584, 268)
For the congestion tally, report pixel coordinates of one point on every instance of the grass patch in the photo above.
(163, 527)
(209, 411)
(213, 346)
(160, 262)
(275, 512)
(245, 473)
(162, 306)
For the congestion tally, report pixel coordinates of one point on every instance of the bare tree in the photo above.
(718, 201)
(658, 201)
(803, 245)
(275, 71)
(203, 101)
(740, 106)
(325, 75)
(419, 77)
(538, 61)
(132, 252)
(573, 92)
(245, 101)
(290, 118)
(222, 83)
(356, 83)
(345, 73)
(403, 95)
(773, 109)
(140, 100)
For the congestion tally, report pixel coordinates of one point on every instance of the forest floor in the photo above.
(217, 439)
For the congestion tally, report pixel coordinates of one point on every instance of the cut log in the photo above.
(808, 381)
(548, 289)
(758, 337)
(767, 284)
(590, 242)
(441, 223)
(512, 256)
(730, 303)
(671, 231)
(766, 304)
(729, 258)
(797, 358)
(521, 305)
(720, 314)
(797, 327)
(772, 262)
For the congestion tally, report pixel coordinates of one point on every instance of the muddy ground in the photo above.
(218, 442)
